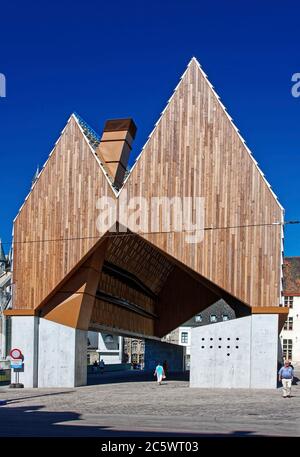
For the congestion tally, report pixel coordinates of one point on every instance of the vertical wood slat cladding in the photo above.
(61, 205)
(135, 255)
(121, 319)
(118, 289)
(148, 265)
(195, 151)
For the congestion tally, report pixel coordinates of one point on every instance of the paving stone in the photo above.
(132, 404)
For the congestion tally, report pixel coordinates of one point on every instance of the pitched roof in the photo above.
(93, 140)
(291, 276)
(91, 135)
(194, 61)
(219, 309)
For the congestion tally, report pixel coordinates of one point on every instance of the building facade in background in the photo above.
(218, 312)
(134, 351)
(104, 346)
(5, 302)
(290, 334)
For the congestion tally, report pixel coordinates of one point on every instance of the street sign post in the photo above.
(16, 364)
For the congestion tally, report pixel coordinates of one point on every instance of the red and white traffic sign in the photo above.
(16, 354)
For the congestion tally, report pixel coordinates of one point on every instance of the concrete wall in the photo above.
(62, 355)
(157, 351)
(54, 355)
(80, 349)
(264, 351)
(241, 353)
(25, 337)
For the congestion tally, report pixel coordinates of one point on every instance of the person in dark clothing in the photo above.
(165, 367)
(102, 366)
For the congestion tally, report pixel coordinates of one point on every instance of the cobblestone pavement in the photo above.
(132, 404)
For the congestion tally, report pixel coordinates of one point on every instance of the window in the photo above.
(288, 325)
(184, 337)
(288, 301)
(213, 318)
(134, 358)
(141, 359)
(225, 317)
(134, 346)
(198, 318)
(287, 349)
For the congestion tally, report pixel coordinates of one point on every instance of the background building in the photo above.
(290, 334)
(218, 312)
(5, 302)
(105, 346)
(134, 351)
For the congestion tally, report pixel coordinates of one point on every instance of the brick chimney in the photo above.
(115, 146)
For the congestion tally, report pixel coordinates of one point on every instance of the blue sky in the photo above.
(118, 59)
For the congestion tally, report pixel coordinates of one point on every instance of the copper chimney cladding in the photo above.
(115, 146)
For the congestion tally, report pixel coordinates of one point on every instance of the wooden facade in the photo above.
(194, 150)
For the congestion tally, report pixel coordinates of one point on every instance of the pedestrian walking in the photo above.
(285, 375)
(159, 373)
(102, 366)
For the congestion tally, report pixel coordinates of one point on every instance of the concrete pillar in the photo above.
(121, 348)
(62, 355)
(54, 355)
(264, 351)
(240, 353)
(25, 337)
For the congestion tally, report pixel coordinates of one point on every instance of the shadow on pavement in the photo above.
(34, 422)
(131, 376)
(17, 399)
